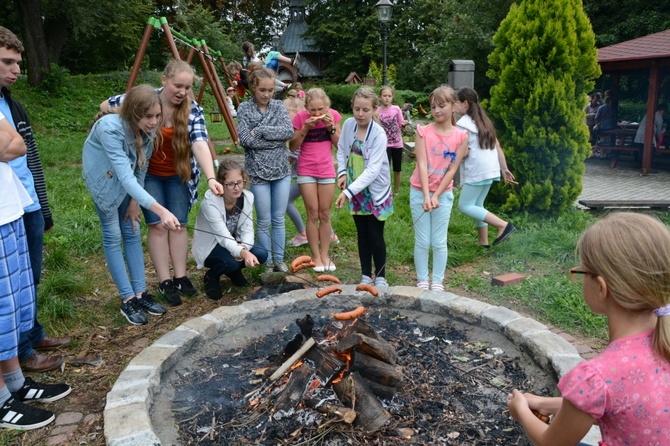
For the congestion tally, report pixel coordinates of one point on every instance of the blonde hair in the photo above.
(386, 87)
(181, 142)
(369, 94)
(631, 252)
(135, 105)
(317, 93)
(444, 94)
(293, 105)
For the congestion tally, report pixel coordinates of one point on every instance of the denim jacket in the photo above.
(110, 165)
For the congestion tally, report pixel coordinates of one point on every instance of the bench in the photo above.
(617, 150)
(602, 204)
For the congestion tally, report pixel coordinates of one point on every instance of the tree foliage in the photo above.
(616, 21)
(543, 64)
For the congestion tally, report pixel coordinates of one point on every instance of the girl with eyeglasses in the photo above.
(625, 269)
(223, 240)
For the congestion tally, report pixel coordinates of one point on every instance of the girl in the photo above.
(223, 240)
(625, 389)
(293, 105)
(114, 165)
(271, 61)
(481, 167)
(439, 149)
(264, 127)
(363, 169)
(173, 176)
(316, 131)
(390, 117)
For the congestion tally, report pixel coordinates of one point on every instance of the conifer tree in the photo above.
(543, 65)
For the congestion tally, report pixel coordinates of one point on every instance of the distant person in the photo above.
(440, 148)
(482, 166)
(230, 94)
(264, 128)
(625, 269)
(114, 163)
(659, 127)
(301, 92)
(590, 111)
(316, 131)
(223, 240)
(17, 294)
(390, 117)
(605, 120)
(365, 180)
(270, 61)
(37, 217)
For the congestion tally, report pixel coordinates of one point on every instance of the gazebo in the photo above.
(649, 55)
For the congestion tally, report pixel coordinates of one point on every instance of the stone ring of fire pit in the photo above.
(127, 412)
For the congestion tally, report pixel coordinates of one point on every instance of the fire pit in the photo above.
(453, 362)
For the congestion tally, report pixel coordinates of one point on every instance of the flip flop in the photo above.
(506, 233)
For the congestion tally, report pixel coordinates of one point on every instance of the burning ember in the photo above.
(380, 379)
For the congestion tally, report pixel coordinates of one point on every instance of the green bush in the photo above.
(543, 64)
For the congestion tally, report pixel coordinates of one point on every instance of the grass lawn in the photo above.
(77, 296)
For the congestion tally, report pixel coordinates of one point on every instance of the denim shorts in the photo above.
(305, 179)
(170, 192)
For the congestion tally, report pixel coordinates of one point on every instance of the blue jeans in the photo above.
(270, 202)
(471, 202)
(34, 223)
(220, 261)
(115, 232)
(430, 229)
(169, 192)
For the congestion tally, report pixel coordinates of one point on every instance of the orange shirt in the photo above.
(161, 162)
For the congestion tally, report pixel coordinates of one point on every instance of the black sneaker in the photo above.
(238, 279)
(42, 393)
(132, 310)
(184, 286)
(17, 415)
(212, 286)
(169, 292)
(148, 304)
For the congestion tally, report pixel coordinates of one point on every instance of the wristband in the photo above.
(212, 178)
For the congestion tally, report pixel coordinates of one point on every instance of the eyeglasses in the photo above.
(240, 183)
(577, 275)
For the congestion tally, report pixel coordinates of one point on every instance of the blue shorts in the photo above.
(305, 179)
(171, 193)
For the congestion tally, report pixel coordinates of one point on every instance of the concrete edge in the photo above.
(127, 419)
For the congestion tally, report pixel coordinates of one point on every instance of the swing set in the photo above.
(207, 58)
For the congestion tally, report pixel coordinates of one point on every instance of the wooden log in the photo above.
(379, 349)
(326, 366)
(361, 327)
(375, 370)
(382, 391)
(292, 394)
(333, 410)
(290, 361)
(370, 414)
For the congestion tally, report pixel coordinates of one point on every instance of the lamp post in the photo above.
(384, 8)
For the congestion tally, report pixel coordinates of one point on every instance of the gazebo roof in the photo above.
(643, 50)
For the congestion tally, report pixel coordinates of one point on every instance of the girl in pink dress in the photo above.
(625, 268)
(317, 130)
(390, 117)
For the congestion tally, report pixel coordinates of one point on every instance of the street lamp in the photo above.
(384, 8)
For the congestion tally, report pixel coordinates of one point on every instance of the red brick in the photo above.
(508, 279)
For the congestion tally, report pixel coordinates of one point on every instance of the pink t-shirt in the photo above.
(316, 157)
(440, 150)
(391, 119)
(626, 389)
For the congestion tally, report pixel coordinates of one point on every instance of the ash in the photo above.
(454, 392)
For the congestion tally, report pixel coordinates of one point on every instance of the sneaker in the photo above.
(437, 287)
(212, 286)
(381, 282)
(423, 284)
(148, 304)
(184, 286)
(296, 59)
(269, 268)
(298, 240)
(132, 310)
(169, 292)
(366, 280)
(280, 267)
(334, 239)
(41, 393)
(237, 277)
(17, 415)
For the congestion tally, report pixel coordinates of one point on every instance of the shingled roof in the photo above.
(292, 41)
(653, 46)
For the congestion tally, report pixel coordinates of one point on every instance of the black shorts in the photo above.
(395, 157)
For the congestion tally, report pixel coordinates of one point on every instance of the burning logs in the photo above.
(292, 394)
(327, 366)
(375, 370)
(352, 391)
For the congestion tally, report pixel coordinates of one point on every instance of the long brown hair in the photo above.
(181, 142)
(487, 133)
(135, 105)
(631, 252)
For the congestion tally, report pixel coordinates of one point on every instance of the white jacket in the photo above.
(480, 164)
(212, 218)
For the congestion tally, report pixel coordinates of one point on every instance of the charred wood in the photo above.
(333, 410)
(326, 365)
(376, 348)
(371, 415)
(375, 370)
(293, 392)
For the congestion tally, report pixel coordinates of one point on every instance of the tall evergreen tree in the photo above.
(544, 64)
